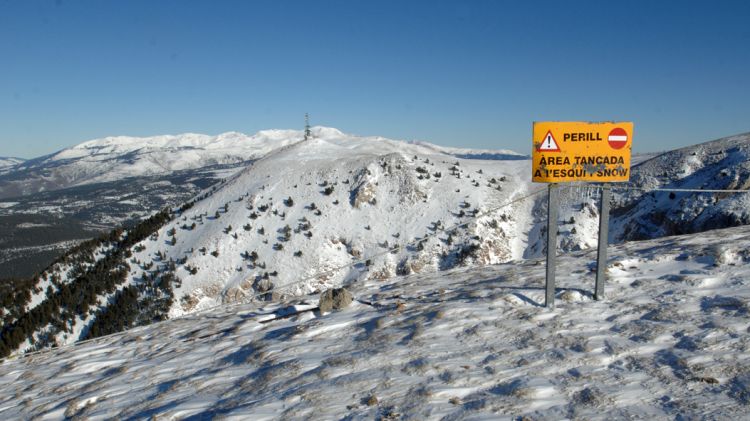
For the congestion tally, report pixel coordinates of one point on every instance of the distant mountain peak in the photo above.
(10, 160)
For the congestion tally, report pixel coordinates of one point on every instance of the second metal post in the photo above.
(601, 256)
(549, 296)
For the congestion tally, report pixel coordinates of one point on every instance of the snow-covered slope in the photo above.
(334, 210)
(723, 164)
(330, 201)
(639, 212)
(293, 217)
(669, 342)
(114, 158)
(6, 162)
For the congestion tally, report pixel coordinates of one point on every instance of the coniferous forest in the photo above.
(87, 279)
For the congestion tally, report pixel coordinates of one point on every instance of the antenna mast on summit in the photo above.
(308, 133)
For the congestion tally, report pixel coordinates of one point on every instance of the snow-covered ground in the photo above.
(670, 341)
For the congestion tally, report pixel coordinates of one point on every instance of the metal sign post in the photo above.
(552, 199)
(601, 255)
(568, 151)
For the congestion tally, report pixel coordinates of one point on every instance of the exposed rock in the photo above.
(189, 302)
(246, 284)
(233, 295)
(263, 285)
(589, 396)
(386, 272)
(334, 299)
(363, 194)
(212, 290)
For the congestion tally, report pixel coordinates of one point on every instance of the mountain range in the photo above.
(9, 162)
(52, 202)
(440, 251)
(339, 209)
(119, 157)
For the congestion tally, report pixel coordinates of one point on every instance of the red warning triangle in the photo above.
(549, 144)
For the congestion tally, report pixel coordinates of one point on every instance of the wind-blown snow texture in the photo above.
(669, 342)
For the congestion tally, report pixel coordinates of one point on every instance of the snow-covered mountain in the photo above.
(334, 210)
(321, 204)
(640, 211)
(118, 157)
(670, 341)
(298, 212)
(120, 179)
(723, 164)
(6, 162)
(499, 154)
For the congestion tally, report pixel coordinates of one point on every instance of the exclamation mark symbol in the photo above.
(549, 142)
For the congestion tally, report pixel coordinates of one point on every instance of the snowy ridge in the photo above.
(720, 164)
(669, 341)
(501, 154)
(6, 162)
(637, 213)
(114, 158)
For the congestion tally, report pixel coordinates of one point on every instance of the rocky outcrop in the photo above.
(334, 299)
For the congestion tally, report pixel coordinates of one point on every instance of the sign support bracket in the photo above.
(552, 205)
(601, 255)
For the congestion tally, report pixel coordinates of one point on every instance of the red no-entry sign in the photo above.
(617, 138)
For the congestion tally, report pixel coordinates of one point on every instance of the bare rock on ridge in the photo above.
(334, 299)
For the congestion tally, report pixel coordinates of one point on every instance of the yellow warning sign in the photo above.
(566, 151)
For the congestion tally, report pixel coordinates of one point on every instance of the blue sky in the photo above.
(457, 73)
